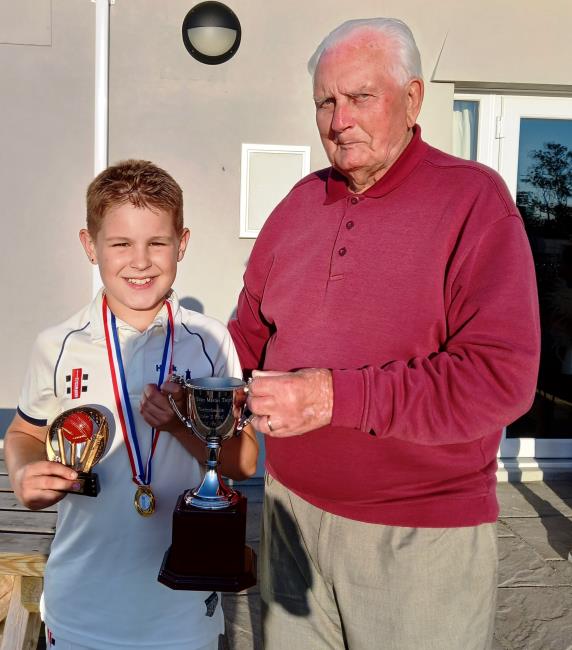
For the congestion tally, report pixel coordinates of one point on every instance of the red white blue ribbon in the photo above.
(141, 473)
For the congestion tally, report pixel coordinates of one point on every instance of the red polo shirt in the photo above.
(420, 295)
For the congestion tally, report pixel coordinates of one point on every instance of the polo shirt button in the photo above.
(354, 200)
(342, 251)
(349, 225)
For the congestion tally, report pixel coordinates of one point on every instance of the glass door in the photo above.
(535, 160)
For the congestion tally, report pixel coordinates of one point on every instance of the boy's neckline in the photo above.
(138, 320)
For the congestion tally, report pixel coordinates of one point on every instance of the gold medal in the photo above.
(144, 501)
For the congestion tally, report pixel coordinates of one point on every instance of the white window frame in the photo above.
(497, 146)
(246, 229)
(489, 109)
(515, 107)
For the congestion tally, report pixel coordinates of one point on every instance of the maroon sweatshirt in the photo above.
(420, 295)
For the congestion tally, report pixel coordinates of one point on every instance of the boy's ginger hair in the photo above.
(138, 182)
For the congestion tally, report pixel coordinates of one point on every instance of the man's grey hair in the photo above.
(408, 64)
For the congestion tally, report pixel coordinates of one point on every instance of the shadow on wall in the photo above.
(188, 302)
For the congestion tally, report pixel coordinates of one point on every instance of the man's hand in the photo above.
(291, 403)
(156, 409)
(41, 484)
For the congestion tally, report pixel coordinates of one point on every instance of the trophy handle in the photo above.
(186, 421)
(245, 419)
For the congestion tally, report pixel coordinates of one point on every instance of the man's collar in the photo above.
(336, 183)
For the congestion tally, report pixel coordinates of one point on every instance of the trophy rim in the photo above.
(215, 383)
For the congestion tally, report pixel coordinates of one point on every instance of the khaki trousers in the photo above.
(331, 582)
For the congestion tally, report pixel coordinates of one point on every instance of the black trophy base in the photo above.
(89, 484)
(208, 551)
(231, 584)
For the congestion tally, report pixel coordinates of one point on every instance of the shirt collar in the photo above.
(336, 183)
(160, 320)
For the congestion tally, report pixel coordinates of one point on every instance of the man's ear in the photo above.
(88, 245)
(183, 241)
(415, 91)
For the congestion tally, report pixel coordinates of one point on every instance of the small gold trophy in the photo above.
(77, 438)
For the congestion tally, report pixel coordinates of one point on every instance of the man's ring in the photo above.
(269, 424)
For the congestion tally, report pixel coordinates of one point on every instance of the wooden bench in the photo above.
(25, 539)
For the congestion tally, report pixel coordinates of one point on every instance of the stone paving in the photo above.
(534, 609)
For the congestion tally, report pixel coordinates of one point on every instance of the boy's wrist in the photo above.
(177, 428)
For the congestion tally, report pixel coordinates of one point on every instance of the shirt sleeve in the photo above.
(482, 378)
(226, 362)
(248, 330)
(37, 403)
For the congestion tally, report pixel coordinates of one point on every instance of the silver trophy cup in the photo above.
(218, 558)
(215, 412)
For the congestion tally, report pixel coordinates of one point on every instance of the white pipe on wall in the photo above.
(101, 84)
(101, 111)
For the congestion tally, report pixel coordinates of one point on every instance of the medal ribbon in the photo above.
(141, 474)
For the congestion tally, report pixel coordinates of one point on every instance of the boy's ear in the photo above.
(88, 245)
(183, 241)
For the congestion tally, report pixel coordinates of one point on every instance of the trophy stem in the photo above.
(212, 493)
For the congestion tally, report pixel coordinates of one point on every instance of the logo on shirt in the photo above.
(188, 376)
(50, 638)
(75, 383)
(211, 602)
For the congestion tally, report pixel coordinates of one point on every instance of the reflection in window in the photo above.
(465, 129)
(544, 186)
(544, 198)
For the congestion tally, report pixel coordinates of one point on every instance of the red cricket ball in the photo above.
(77, 427)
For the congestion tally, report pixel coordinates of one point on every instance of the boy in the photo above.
(101, 590)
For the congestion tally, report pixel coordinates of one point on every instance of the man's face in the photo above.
(364, 115)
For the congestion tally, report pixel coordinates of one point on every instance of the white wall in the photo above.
(46, 134)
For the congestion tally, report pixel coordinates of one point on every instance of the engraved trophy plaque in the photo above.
(77, 438)
(208, 550)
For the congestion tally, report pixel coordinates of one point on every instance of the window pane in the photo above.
(544, 198)
(465, 129)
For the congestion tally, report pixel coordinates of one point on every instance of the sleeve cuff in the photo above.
(349, 398)
(30, 420)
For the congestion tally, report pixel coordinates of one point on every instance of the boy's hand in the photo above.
(40, 484)
(157, 411)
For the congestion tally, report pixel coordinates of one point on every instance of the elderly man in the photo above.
(390, 303)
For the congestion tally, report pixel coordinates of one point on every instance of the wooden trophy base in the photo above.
(208, 551)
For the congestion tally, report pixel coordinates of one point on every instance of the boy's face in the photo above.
(137, 250)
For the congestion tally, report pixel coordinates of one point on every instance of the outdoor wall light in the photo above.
(211, 33)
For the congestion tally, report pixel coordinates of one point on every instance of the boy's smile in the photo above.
(137, 250)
